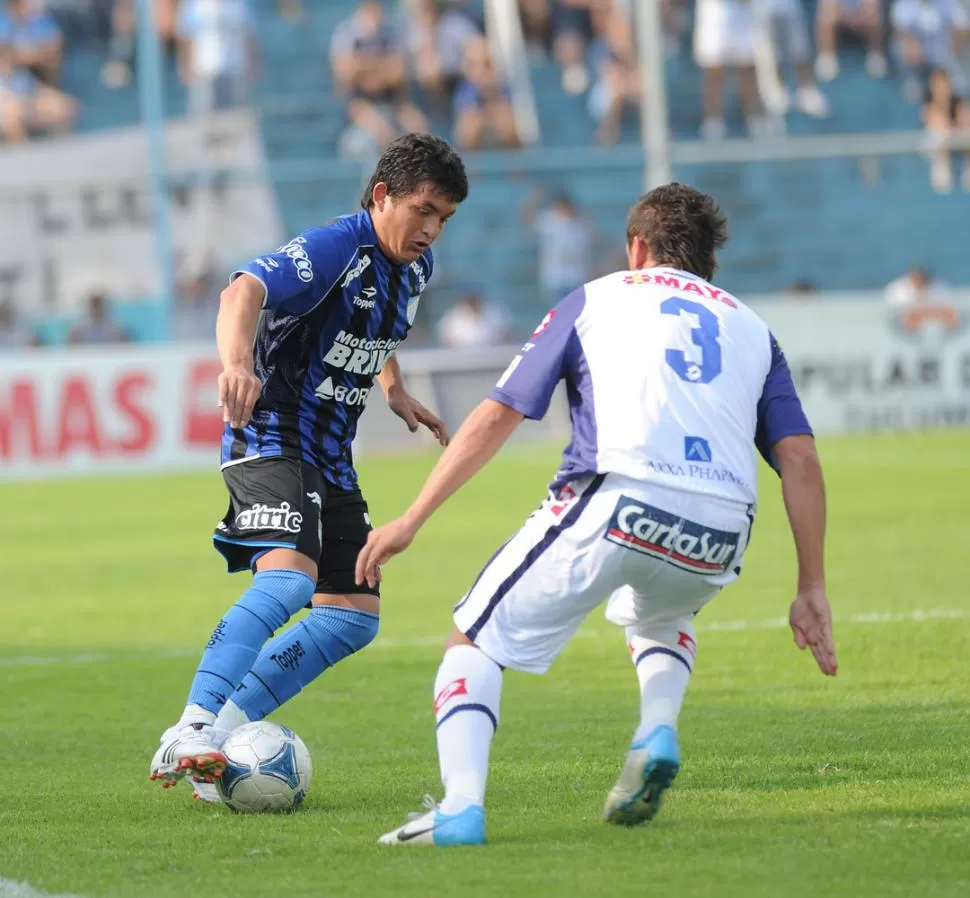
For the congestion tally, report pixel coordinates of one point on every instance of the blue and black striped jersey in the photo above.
(336, 308)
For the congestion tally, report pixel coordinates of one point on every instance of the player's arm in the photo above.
(289, 282)
(405, 406)
(525, 390)
(785, 439)
(239, 388)
(481, 435)
(479, 438)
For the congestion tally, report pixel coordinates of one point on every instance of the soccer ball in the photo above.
(269, 769)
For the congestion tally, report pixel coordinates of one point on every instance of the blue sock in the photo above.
(300, 654)
(268, 604)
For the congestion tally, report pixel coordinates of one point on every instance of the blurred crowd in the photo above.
(397, 62)
(214, 42)
(408, 65)
(386, 59)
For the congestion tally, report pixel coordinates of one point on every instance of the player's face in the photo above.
(408, 225)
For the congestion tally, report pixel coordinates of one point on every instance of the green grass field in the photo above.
(792, 785)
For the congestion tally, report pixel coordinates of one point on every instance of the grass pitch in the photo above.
(792, 785)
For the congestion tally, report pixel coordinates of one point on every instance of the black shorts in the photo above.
(287, 503)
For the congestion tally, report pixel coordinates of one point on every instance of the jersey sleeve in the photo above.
(298, 275)
(530, 381)
(780, 412)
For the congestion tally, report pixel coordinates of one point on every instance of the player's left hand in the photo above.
(810, 618)
(413, 413)
(382, 544)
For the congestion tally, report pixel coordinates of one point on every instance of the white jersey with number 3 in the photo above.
(670, 380)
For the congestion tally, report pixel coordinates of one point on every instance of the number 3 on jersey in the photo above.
(704, 335)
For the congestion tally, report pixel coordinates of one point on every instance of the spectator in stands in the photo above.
(472, 322)
(572, 29)
(860, 17)
(931, 34)
(198, 303)
(565, 245)
(536, 25)
(483, 109)
(724, 39)
(97, 327)
(916, 286)
(37, 43)
(218, 53)
(117, 69)
(613, 59)
(436, 43)
(370, 69)
(12, 334)
(28, 107)
(785, 24)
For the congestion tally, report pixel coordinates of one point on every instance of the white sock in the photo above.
(230, 717)
(196, 714)
(663, 657)
(468, 691)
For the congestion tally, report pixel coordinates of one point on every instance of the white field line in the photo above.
(11, 888)
(864, 618)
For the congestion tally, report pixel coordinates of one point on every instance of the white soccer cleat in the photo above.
(650, 768)
(467, 827)
(187, 750)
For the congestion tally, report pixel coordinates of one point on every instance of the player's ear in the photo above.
(637, 253)
(379, 195)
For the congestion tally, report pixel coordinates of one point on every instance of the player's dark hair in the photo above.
(416, 159)
(682, 226)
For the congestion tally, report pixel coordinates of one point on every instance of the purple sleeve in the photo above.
(303, 271)
(530, 380)
(780, 412)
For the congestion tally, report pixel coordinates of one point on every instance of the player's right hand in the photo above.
(239, 390)
(811, 623)
(382, 545)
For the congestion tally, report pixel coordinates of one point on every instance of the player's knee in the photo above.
(277, 594)
(456, 637)
(678, 634)
(344, 630)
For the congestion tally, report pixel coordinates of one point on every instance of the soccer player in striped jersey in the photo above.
(303, 333)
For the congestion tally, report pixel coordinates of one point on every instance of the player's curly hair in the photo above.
(682, 226)
(416, 159)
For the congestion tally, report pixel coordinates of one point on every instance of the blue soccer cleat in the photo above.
(650, 769)
(467, 827)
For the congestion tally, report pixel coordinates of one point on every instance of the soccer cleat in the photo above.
(467, 827)
(187, 750)
(205, 791)
(650, 768)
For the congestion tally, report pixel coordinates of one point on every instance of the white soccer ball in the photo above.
(269, 769)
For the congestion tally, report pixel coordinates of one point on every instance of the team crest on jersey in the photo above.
(684, 544)
(413, 308)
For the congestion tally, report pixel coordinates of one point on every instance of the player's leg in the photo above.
(520, 613)
(663, 658)
(682, 552)
(272, 527)
(343, 619)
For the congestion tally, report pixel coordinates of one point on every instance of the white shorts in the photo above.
(724, 33)
(658, 555)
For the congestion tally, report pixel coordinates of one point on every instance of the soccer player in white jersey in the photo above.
(672, 385)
